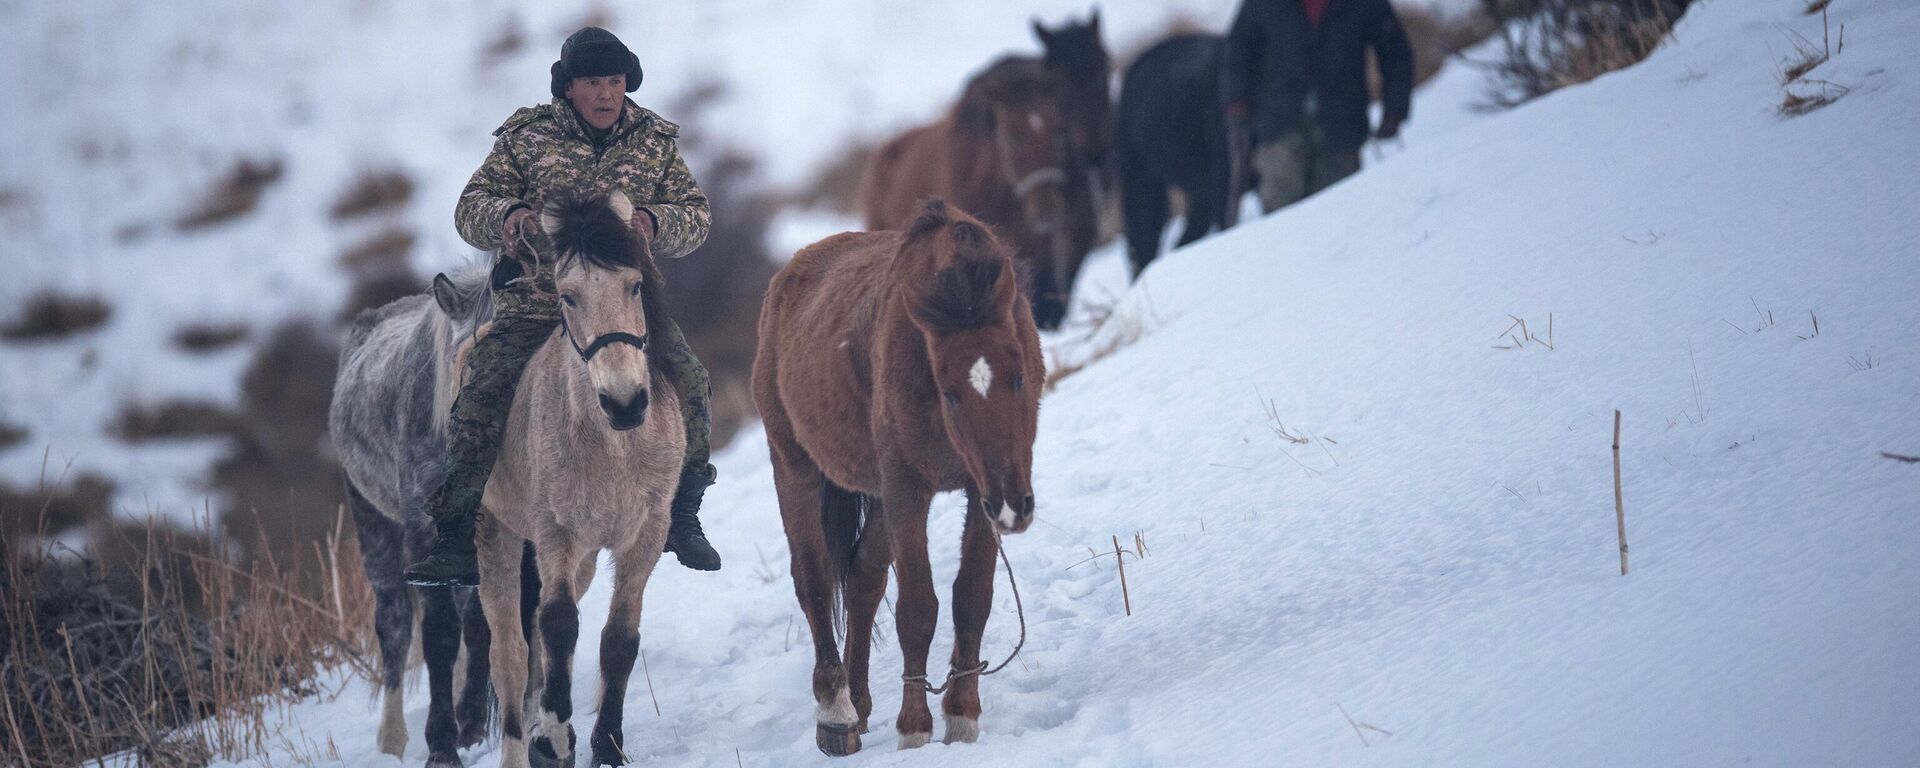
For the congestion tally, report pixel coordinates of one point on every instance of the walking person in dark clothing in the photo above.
(1296, 86)
(590, 140)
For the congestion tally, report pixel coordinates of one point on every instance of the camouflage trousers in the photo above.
(524, 319)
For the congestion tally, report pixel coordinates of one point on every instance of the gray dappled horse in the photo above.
(590, 461)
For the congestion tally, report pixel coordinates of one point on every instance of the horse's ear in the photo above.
(1040, 32)
(1093, 21)
(621, 205)
(550, 219)
(447, 296)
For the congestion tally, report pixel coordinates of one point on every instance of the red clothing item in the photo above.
(1314, 9)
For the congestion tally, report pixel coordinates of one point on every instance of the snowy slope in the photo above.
(1439, 560)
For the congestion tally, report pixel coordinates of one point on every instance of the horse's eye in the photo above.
(568, 299)
(953, 400)
(635, 290)
(1018, 382)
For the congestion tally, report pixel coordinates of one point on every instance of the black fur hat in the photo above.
(594, 52)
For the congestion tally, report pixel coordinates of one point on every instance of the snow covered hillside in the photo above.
(1432, 554)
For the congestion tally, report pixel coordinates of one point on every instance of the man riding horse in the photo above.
(590, 140)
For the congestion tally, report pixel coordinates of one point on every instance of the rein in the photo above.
(599, 342)
(981, 669)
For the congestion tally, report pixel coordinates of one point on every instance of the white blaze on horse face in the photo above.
(1035, 122)
(980, 376)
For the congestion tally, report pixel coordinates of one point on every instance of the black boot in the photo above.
(450, 561)
(684, 538)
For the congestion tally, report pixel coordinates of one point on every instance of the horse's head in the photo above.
(1015, 105)
(984, 355)
(610, 300)
(1075, 51)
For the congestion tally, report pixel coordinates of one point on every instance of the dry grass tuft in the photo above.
(384, 252)
(1113, 331)
(1799, 93)
(12, 434)
(1551, 44)
(159, 646)
(234, 194)
(372, 192)
(201, 338)
(506, 41)
(50, 314)
(173, 419)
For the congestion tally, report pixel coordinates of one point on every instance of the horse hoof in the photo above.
(541, 754)
(471, 735)
(914, 740)
(962, 730)
(837, 740)
(606, 751)
(444, 761)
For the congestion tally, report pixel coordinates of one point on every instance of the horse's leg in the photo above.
(529, 629)
(383, 554)
(800, 485)
(866, 584)
(1143, 207)
(472, 710)
(972, 601)
(440, 645)
(620, 642)
(559, 621)
(1203, 209)
(919, 609)
(500, 574)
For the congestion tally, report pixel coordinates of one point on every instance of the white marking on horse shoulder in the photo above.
(980, 376)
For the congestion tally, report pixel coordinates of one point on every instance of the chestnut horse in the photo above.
(1001, 153)
(892, 366)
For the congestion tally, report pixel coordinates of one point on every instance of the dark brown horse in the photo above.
(1002, 154)
(892, 366)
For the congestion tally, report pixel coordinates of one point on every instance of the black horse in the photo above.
(1075, 52)
(1170, 130)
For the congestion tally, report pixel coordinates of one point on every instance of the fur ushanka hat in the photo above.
(594, 52)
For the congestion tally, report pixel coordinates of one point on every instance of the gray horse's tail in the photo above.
(842, 515)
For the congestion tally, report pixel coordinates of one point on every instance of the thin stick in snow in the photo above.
(1127, 600)
(649, 673)
(1619, 505)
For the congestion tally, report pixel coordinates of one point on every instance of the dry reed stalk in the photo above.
(1619, 504)
(1126, 599)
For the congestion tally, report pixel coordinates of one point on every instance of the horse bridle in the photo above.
(1024, 185)
(599, 342)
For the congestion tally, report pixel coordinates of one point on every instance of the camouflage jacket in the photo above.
(547, 150)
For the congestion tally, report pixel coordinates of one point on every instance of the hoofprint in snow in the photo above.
(1431, 577)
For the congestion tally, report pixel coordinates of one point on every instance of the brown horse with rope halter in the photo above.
(892, 366)
(1002, 154)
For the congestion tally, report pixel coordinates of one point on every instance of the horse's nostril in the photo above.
(639, 401)
(607, 404)
(1026, 505)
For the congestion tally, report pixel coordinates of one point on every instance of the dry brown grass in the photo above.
(51, 314)
(383, 252)
(158, 645)
(1801, 94)
(12, 434)
(234, 194)
(1105, 330)
(204, 337)
(173, 419)
(1568, 42)
(371, 192)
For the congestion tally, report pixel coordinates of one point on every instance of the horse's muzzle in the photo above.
(1011, 517)
(627, 415)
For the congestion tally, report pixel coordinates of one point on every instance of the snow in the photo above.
(1438, 561)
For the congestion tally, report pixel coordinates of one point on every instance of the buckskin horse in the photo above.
(894, 365)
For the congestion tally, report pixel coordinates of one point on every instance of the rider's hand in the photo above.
(518, 220)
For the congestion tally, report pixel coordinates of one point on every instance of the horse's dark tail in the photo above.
(842, 514)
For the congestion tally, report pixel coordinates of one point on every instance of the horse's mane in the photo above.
(1009, 79)
(963, 294)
